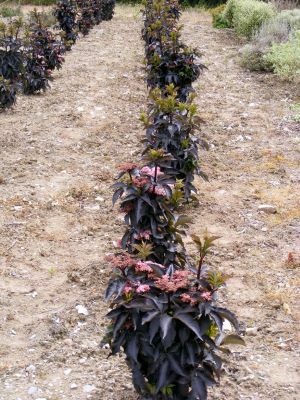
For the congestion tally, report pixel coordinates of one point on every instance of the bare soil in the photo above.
(59, 152)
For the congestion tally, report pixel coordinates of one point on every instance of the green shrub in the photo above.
(219, 21)
(276, 30)
(8, 12)
(229, 11)
(246, 16)
(285, 58)
(285, 4)
(291, 17)
(46, 17)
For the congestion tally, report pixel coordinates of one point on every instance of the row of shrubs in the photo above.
(164, 312)
(274, 35)
(30, 52)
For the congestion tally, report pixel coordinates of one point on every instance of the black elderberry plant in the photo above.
(11, 61)
(86, 18)
(8, 94)
(97, 9)
(169, 324)
(36, 75)
(108, 9)
(52, 48)
(152, 228)
(66, 14)
(11, 50)
(168, 60)
(171, 125)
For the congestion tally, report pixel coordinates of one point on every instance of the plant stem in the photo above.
(200, 266)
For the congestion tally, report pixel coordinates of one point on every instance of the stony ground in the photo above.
(59, 152)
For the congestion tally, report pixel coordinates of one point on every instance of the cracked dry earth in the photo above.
(59, 152)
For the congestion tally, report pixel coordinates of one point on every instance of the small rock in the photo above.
(267, 208)
(245, 378)
(73, 385)
(67, 371)
(82, 310)
(31, 369)
(252, 331)
(92, 207)
(100, 199)
(68, 342)
(286, 308)
(32, 390)
(88, 388)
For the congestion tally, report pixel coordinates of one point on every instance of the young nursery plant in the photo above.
(7, 93)
(11, 61)
(108, 9)
(171, 125)
(66, 14)
(165, 315)
(164, 306)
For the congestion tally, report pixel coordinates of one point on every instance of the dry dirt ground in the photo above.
(59, 152)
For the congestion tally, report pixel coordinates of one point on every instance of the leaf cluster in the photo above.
(168, 59)
(145, 204)
(171, 125)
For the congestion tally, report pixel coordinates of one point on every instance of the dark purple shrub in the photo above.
(66, 14)
(108, 9)
(7, 94)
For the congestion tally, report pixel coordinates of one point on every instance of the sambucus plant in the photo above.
(169, 325)
(36, 75)
(171, 126)
(11, 61)
(97, 7)
(7, 93)
(152, 228)
(66, 13)
(85, 20)
(11, 50)
(164, 313)
(108, 7)
(43, 40)
(168, 60)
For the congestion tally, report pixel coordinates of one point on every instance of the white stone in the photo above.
(73, 386)
(82, 310)
(67, 371)
(32, 390)
(88, 388)
(267, 208)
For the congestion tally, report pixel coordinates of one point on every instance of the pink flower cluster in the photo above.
(127, 167)
(158, 190)
(143, 288)
(139, 288)
(151, 171)
(206, 296)
(141, 266)
(179, 280)
(122, 261)
(186, 298)
(143, 235)
(140, 182)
